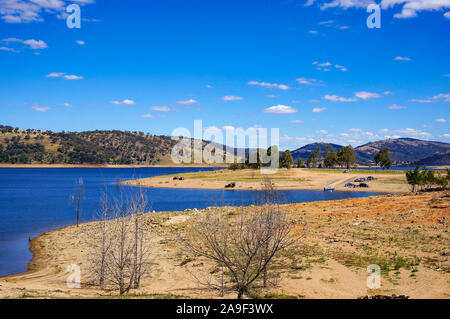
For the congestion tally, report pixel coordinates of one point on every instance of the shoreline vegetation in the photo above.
(389, 181)
(406, 235)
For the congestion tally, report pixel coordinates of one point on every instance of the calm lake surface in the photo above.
(36, 200)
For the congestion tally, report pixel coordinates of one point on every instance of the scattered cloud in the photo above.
(209, 86)
(147, 116)
(306, 81)
(80, 42)
(445, 97)
(280, 109)
(409, 8)
(269, 85)
(161, 108)
(414, 133)
(367, 95)
(63, 75)
(232, 98)
(447, 15)
(313, 32)
(31, 43)
(335, 98)
(442, 120)
(73, 77)
(402, 58)
(325, 66)
(187, 102)
(326, 22)
(22, 11)
(322, 132)
(319, 109)
(66, 104)
(9, 49)
(55, 75)
(271, 96)
(296, 121)
(387, 92)
(38, 108)
(396, 107)
(124, 102)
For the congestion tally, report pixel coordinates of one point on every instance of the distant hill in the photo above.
(305, 151)
(441, 158)
(95, 147)
(403, 150)
(118, 147)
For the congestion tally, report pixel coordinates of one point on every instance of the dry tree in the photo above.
(121, 242)
(244, 245)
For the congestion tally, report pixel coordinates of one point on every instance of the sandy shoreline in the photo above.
(294, 179)
(339, 243)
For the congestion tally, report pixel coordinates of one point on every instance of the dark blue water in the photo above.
(36, 200)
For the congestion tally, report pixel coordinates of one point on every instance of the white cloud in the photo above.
(26, 11)
(63, 75)
(409, 8)
(396, 107)
(325, 66)
(442, 120)
(402, 58)
(319, 109)
(445, 97)
(38, 108)
(384, 131)
(31, 43)
(280, 109)
(326, 22)
(387, 92)
(309, 3)
(271, 96)
(147, 116)
(269, 85)
(296, 121)
(313, 32)
(66, 104)
(80, 42)
(161, 108)
(447, 15)
(124, 102)
(367, 95)
(335, 98)
(73, 77)
(209, 86)
(306, 81)
(8, 49)
(322, 132)
(55, 75)
(187, 102)
(232, 98)
(414, 133)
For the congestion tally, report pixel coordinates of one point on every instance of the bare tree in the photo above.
(245, 245)
(121, 252)
(77, 198)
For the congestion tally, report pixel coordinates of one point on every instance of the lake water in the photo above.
(36, 200)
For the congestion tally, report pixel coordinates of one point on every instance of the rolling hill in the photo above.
(118, 147)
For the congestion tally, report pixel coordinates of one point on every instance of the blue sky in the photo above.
(313, 69)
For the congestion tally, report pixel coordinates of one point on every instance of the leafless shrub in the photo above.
(244, 245)
(121, 243)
